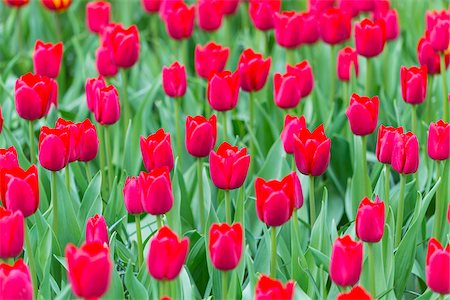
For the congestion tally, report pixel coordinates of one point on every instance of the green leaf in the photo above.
(134, 287)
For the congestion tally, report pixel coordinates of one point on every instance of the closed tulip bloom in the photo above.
(57, 5)
(8, 158)
(356, 293)
(74, 136)
(229, 7)
(346, 261)
(288, 26)
(390, 18)
(223, 90)
(132, 196)
(91, 87)
(287, 93)
(414, 84)
(201, 135)
(54, 148)
(11, 233)
(385, 143)
(305, 74)
(209, 14)
(335, 26)
(33, 96)
(16, 3)
(292, 126)
(174, 80)
(156, 150)
(89, 269)
(349, 6)
(167, 254)
(405, 153)
(309, 31)
(151, 6)
(47, 58)
(97, 15)
(319, 6)
(370, 220)
(20, 190)
(365, 5)
(362, 114)
(88, 141)
(210, 59)
(275, 200)
(97, 230)
(312, 151)
(370, 37)
(225, 245)
(347, 63)
(156, 191)
(268, 288)
(438, 267)
(167, 6)
(253, 70)
(104, 62)
(262, 13)
(430, 58)
(180, 20)
(439, 140)
(107, 105)
(15, 281)
(438, 29)
(228, 166)
(124, 43)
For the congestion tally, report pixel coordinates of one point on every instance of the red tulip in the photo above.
(91, 87)
(107, 105)
(34, 94)
(132, 196)
(275, 200)
(438, 29)
(88, 141)
(385, 143)
(335, 26)
(428, 57)
(288, 26)
(89, 269)
(57, 5)
(347, 63)
(97, 15)
(8, 158)
(47, 58)
(365, 5)
(174, 80)
(370, 220)
(16, 3)
(106, 66)
(390, 18)
(15, 281)
(292, 126)
(180, 20)
(439, 140)
(309, 32)
(167, 254)
(201, 135)
(167, 6)
(262, 13)
(151, 6)
(362, 114)
(312, 151)
(54, 148)
(304, 72)
(356, 293)
(349, 6)
(97, 230)
(370, 37)
(225, 245)
(286, 89)
(210, 59)
(319, 6)
(228, 166)
(268, 288)
(209, 14)
(74, 135)
(253, 70)
(19, 189)
(414, 84)
(156, 191)
(223, 90)
(438, 267)
(346, 261)
(405, 153)
(123, 44)
(156, 150)
(229, 7)
(11, 233)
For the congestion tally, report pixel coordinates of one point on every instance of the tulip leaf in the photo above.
(135, 289)
(91, 203)
(320, 258)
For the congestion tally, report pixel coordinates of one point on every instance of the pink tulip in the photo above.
(156, 150)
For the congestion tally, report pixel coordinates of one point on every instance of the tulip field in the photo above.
(224, 149)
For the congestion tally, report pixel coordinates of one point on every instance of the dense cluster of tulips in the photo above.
(209, 210)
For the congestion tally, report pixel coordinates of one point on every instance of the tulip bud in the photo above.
(319, 6)
(105, 63)
(74, 136)
(262, 13)
(385, 143)
(15, 281)
(438, 29)
(362, 114)
(370, 37)
(57, 5)
(405, 153)
(309, 32)
(88, 141)
(97, 230)
(267, 287)
(225, 245)
(19, 189)
(288, 25)
(47, 58)
(229, 7)
(356, 293)
(223, 90)
(428, 57)
(107, 105)
(33, 96)
(209, 14)
(89, 269)
(201, 135)
(132, 196)
(414, 84)
(180, 20)
(156, 191)
(97, 15)
(12, 233)
(439, 140)
(335, 26)
(167, 254)
(350, 7)
(151, 6)
(54, 148)
(91, 87)
(124, 43)
(156, 150)
(390, 18)
(287, 93)
(312, 151)
(16, 3)
(8, 158)
(210, 59)
(292, 126)
(305, 74)
(346, 261)
(347, 63)
(174, 80)
(370, 220)
(438, 267)
(253, 70)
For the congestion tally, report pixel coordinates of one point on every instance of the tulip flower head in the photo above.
(223, 90)
(57, 5)
(174, 80)
(210, 59)
(201, 135)
(209, 14)
(385, 143)
(370, 37)
(107, 105)
(414, 84)
(12, 233)
(287, 29)
(156, 191)
(47, 58)
(405, 153)
(370, 220)
(262, 13)
(97, 230)
(390, 18)
(346, 261)
(304, 72)
(91, 87)
(268, 288)
(132, 196)
(8, 158)
(54, 148)
(15, 281)
(253, 70)
(334, 26)
(16, 3)
(439, 140)
(347, 63)
(225, 245)
(438, 29)
(292, 126)
(151, 6)
(156, 150)
(438, 267)
(430, 58)
(356, 293)
(309, 30)
(179, 19)
(97, 15)
(362, 114)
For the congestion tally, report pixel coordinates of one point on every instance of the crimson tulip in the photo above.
(16, 3)
(167, 6)
(132, 196)
(210, 59)
(347, 62)
(268, 288)
(88, 141)
(334, 26)
(438, 267)
(356, 293)
(97, 15)
(54, 148)
(319, 6)
(346, 261)
(57, 5)
(180, 20)
(209, 14)
(225, 245)
(106, 66)
(15, 281)
(107, 105)
(201, 135)
(11, 233)
(304, 72)
(229, 7)
(385, 143)
(156, 150)
(91, 87)
(47, 58)
(391, 20)
(370, 220)
(414, 84)
(74, 135)
(156, 191)
(309, 31)
(439, 140)
(174, 80)
(288, 26)
(223, 90)
(253, 70)
(286, 89)
(430, 58)
(123, 44)
(292, 126)
(370, 37)
(151, 6)
(262, 13)
(8, 158)
(97, 230)
(438, 29)
(405, 153)
(362, 114)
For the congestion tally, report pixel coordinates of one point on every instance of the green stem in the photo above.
(109, 157)
(164, 290)
(201, 200)
(294, 245)
(290, 57)
(367, 187)
(332, 74)
(224, 285)
(387, 171)
(273, 257)
(400, 209)
(228, 206)
(55, 204)
(368, 76)
(137, 218)
(439, 205)
(19, 29)
(88, 171)
(414, 120)
(429, 108)
(31, 261)
(159, 221)
(253, 133)
(32, 144)
(102, 159)
(177, 128)
(371, 257)
(207, 106)
(293, 164)
(67, 178)
(126, 104)
(312, 202)
(225, 125)
(446, 115)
